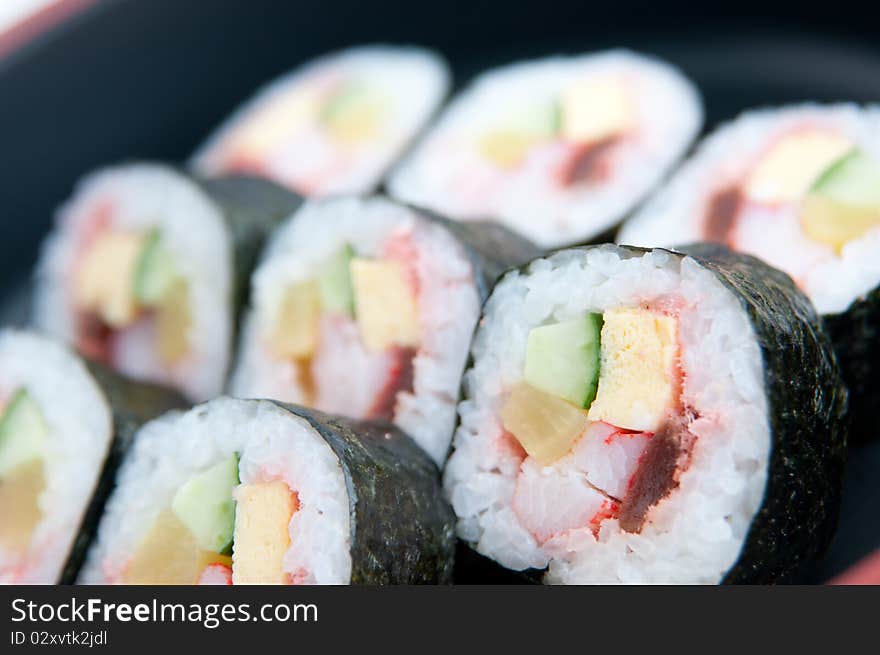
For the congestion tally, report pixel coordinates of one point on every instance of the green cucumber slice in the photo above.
(205, 505)
(541, 120)
(334, 283)
(854, 179)
(22, 432)
(155, 272)
(562, 359)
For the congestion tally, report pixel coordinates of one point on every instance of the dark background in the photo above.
(149, 79)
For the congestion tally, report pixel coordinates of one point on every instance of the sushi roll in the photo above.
(559, 149)
(645, 416)
(146, 268)
(335, 124)
(798, 187)
(365, 307)
(257, 492)
(63, 427)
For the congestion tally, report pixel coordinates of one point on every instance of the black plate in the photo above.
(149, 79)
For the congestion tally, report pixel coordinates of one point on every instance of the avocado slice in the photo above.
(334, 283)
(562, 359)
(23, 432)
(204, 504)
(155, 272)
(844, 202)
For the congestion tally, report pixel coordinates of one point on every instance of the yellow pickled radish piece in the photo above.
(103, 282)
(353, 113)
(295, 334)
(596, 109)
(507, 148)
(262, 537)
(545, 426)
(788, 169)
(173, 322)
(169, 554)
(385, 304)
(836, 223)
(273, 123)
(20, 513)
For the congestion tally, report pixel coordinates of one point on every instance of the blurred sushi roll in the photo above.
(334, 125)
(257, 492)
(146, 268)
(365, 307)
(644, 416)
(63, 427)
(798, 187)
(559, 149)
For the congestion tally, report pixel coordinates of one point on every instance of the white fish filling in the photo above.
(523, 515)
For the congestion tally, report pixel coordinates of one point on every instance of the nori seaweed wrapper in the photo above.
(252, 207)
(131, 404)
(855, 334)
(493, 249)
(807, 404)
(402, 528)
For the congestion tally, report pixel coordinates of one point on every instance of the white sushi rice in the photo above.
(272, 443)
(448, 308)
(677, 214)
(415, 80)
(193, 229)
(447, 173)
(79, 422)
(696, 533)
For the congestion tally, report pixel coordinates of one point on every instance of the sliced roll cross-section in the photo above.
(335, 124)
(145, 268)
(628, 417)
(62, 429)
(365, 307)
(256, 492)
(559, 149)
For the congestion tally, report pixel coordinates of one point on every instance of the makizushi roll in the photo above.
(798, 187)
(365, 307)
(146, 268)
(257, 492)
(645, 416)
(333, 125)
(63, 427)
(559, 149)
